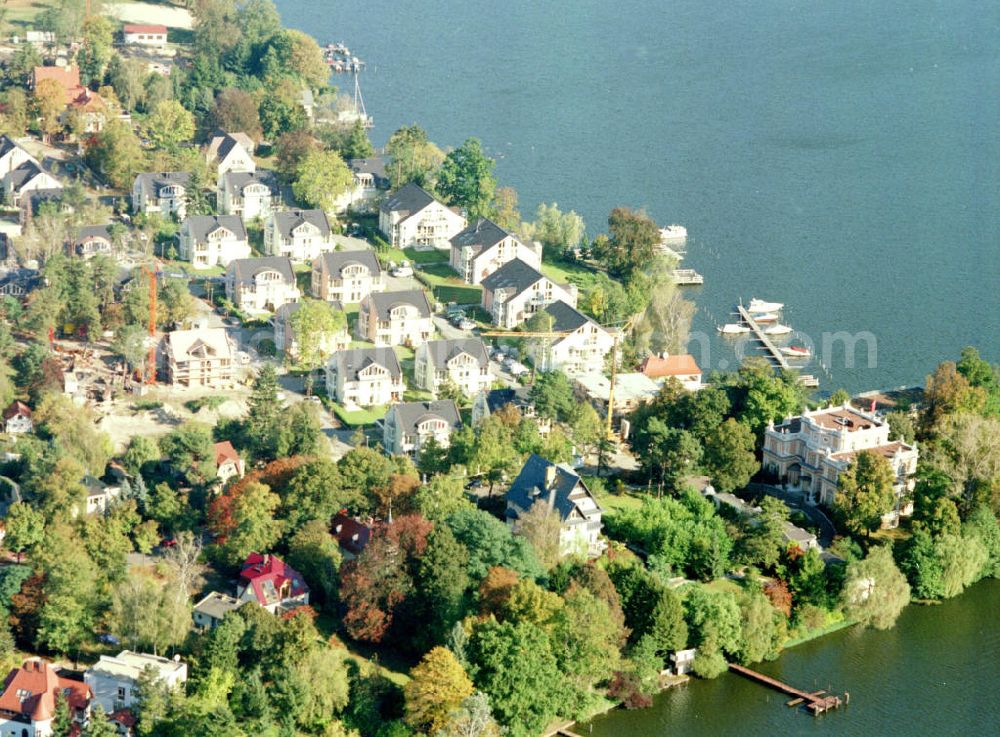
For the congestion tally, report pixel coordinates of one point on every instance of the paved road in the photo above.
(827, 530)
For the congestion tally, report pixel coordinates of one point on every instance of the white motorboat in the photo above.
(673, 234)
(797, 351)
(732, 328)
(759, 305)
(777, 329)
(766, 317)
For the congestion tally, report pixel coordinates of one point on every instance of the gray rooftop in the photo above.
(480, 236)
(497, 399)
(201, 226)
(288, 220)
(442, 351)
(290, 308)
(243, 270)
(374, 166)
(565, 319)
(351, 361)
(217, 605)
(93, 231)
(516, 275)
(25, 173)
(158, 180)
(410, 414)
(237, 181)
(335, 262)
(408, 199)
(566, 493)
(385, 302)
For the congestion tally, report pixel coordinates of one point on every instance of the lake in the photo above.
(840, 157)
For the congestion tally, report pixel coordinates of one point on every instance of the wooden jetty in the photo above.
(816, 702)
(773, 353)
(559, 729)
(686, 277)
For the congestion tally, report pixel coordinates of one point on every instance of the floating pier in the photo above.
(817, 702)
(773, 353)
(687, 277)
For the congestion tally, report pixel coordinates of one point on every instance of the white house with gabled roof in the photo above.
(463, 362)
(301, 235)
(483, 247)
(411, 216)
(213, 240)
(365, 377)
(517, 290)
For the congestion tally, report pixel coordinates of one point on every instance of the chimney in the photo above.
(550, 476)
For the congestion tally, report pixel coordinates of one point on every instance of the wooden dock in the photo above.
(816, 702)
(773, 353)
(687, 277)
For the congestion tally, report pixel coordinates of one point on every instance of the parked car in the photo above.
(465, 324)
(404, 269)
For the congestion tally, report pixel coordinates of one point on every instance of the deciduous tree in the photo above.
(466, 179)
(865, 492)
(875, 592)
(320, 178)
(438, 685)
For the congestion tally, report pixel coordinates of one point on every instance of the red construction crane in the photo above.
(151, 356)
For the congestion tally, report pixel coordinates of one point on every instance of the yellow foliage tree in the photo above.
(439, 685)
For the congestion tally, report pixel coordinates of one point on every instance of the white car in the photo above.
(404, 269)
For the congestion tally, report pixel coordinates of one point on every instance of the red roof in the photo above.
(31, 690)
(135, 28)
(271, 579)
(67, 77)
(684, 365)
(125, 717)
(17, 408)
(225, 451)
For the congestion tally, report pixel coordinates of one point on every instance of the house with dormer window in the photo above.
(271, 583)
(231, 152)
(28, 700)
(28, 177)
(396, 318)
(462, 362)
(483, 247)
(250, 194)
(200, 357)
(410, 426)
(411, 216)
(213, 240)
(17, 419)
(347, 277)
(583, 347)
(365, 377)
(164, 192)
(561, 490)
(301, 235)
(517, 290)
(261, 285)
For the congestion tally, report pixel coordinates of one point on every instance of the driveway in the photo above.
(827, 530)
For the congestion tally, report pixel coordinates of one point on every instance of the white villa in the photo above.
(200, 357)
(396, 318)
(809, 452)
(365, 377)
(347, 277)
(114, 680)
(411, 216)
(483, 247)
(463, 361)
(582, 350)
(250, 194)
(517, 290)
(301, 235)
(409, 426)
(260, 285)
(164, 193)
(213, 240)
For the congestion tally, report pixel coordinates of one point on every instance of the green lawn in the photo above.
(562, 273)
(360, 416)
(620, 502)
(23, 12)
(447, 286)
(433, 256)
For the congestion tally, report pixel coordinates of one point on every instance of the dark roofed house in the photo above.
(463, 361)
(19, 283)
(284, 334)
(409, 426)
(483, 247)
(346, 276)
(210, 240)
(250, 194)
(27, 177)
(231, 152)
(370, 182)
(17, 418)
(411, 216)
(272, 583)
(92, 240)
(163, 192)
(261, 284)
(352, 534)
(517, 290)
(365, 377)
(562, 490)
(396, 318)
(583, 347)
(301, 235)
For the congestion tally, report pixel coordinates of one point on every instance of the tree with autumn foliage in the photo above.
(373, 585)
(437, 686)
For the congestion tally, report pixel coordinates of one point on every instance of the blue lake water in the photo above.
(840, 157)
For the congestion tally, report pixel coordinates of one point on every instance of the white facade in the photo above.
(284, 336)
(410, 426)
(15, 187)
(379, 382)
(254, 199)
(510, 306)
(305, 241)
(217, 248)
(584, 351)
(809, 452)
(262, 289)
(347, 277)
(435, 364)
(403, 323)
(474, 265)
(114, 681)
(204, 357)
(411, 217)
(135, 35)
(165, 194)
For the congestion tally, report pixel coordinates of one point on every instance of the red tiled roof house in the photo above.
(17, 418)
(28, 700)
(144, 35)
(228, 462)
(272, 583)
